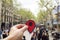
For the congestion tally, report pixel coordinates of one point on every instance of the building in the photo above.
(56, 16)
(8, 18)
(0, 12)
(16, 19)
(6, 14)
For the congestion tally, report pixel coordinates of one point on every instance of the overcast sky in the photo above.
(31, 5)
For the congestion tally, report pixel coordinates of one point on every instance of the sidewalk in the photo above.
(50, 37)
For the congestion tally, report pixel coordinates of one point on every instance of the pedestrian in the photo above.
(37, 33)
(45, 35)
(4, 34)
(33, 36)
(39, 36)
(41, 31)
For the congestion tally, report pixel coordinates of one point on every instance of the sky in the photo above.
(31, 5)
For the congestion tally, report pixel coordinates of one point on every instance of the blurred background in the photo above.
(45, 13)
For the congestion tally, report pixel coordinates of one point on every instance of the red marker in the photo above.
(31, 25)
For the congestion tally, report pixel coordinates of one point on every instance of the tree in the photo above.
(49, 6)
(41, 16)
(17, 5)
(26, 13)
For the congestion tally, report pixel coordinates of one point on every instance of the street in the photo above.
(41, 17)
(28, 35)
(50, 36)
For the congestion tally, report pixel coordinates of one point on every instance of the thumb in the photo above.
(23, 29)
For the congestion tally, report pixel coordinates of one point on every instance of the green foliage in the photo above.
(41, 3)
(49, 4)
(16, 4)
(26, 14)
(8, 2)
(42, 15)
(23, 12)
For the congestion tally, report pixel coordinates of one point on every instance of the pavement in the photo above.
(50, 36)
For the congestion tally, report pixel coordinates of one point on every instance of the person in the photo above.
(16, 32)
(33, 36)
(45, 35)
(4, 34)
(40, 34)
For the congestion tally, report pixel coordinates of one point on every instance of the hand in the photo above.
(16, 32)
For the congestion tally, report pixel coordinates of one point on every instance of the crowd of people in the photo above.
(40, 34)
(4, 34)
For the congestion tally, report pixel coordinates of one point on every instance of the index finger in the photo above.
(18, 26)
(24, 28)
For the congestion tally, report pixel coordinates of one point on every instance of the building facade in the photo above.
(16, 19)
(6, 15)
(0, 12)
